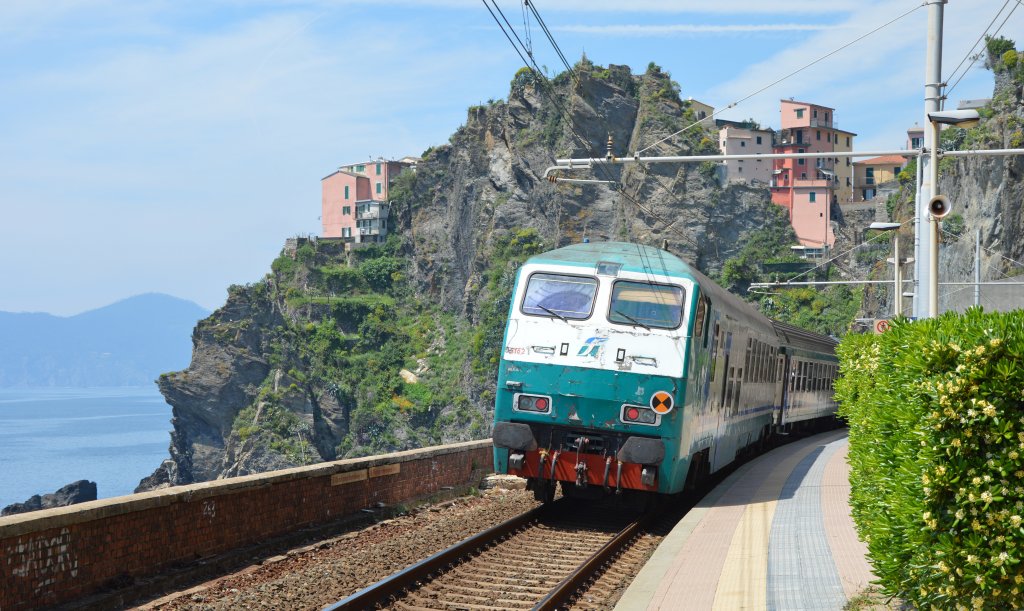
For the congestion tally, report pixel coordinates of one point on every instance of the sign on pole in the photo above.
(881, 325)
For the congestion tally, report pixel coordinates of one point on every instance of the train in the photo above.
(625, 370)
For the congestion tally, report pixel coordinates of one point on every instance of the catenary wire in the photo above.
(777, 81)
(994, 34)
(975, 45)
(584, 141)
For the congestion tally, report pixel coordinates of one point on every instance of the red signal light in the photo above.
(542, 404)
(632, 413)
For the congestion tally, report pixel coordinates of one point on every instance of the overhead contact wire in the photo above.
(776, 82)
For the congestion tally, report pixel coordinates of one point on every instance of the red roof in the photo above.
(884, 160)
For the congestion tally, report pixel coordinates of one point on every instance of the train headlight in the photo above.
(532, 403)
(639, 414)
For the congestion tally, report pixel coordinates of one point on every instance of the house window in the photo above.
(346, 210)
(799, 113)
(346, 232)
(815, 114)
(826, 117)
(847, 141)
(743, 143)
(346, 191)
(812, 196)
(803, 175)
(378, 169)
(800, 136)
(818, 135)
(360, 168)
(741, 169)
(378, 188)
(759, 139)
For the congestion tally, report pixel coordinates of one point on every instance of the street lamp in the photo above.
(897, 294)
(938, 205)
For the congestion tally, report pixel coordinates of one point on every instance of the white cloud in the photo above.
(689, 28)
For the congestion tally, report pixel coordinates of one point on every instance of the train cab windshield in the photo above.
(646, 304)
(560, 295)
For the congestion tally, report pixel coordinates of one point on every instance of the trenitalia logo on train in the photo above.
(624, 370)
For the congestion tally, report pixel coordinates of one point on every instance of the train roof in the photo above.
(802, 338)
(632, 257)
(650, 260)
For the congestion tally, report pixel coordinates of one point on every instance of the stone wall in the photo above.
(55, 556)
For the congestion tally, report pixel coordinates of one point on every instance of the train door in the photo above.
(782, 384)
(724, 449)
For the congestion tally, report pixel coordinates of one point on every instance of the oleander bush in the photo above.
(936, 415)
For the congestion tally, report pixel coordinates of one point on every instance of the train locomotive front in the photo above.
(593, 371)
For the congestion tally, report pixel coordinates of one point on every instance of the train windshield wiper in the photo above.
(554, 313)
(631, 319)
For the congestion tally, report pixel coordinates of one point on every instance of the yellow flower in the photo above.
(1013, 454)
(1015, 520)
(976, 481)
(990, 410)
(994, 342)
(986, 496)
(955, 443)
(959, 514)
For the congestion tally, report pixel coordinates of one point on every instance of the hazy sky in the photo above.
(172, 145)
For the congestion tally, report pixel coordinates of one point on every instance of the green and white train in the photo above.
(623, 368)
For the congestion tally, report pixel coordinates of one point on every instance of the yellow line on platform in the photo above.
(744, 580)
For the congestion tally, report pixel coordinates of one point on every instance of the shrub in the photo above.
(936, 416)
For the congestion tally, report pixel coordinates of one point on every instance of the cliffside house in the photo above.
(870, 173)
(701, 112)
(354, 200)
(806, 188)
(915, 137)
(745, 138)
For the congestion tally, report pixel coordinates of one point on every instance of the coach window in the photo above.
(701, 318)
(560, 296)
(646, 304)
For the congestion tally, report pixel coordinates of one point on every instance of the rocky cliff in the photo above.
(339, 354)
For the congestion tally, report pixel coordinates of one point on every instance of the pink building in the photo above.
(806, 187)
(347, 195)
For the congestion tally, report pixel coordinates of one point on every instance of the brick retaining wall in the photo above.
(60, 555)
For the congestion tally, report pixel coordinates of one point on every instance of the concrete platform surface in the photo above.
(776, 535)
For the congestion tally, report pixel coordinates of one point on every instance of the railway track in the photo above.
(540, 560)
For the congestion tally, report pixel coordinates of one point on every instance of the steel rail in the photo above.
(393, 586)
(568, 587)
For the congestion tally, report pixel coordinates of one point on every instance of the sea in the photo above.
(50, 437)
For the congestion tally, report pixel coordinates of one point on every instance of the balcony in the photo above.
(821, 123)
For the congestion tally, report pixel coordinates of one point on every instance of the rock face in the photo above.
(260, 394)
(75, 492)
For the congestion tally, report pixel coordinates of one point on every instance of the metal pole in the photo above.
(915, 303)
(977, 268)
(933, 251)
(897, 308)
(932, 84)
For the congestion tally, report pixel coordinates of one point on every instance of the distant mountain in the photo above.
(127, 343)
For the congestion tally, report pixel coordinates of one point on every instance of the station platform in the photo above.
(776, 534)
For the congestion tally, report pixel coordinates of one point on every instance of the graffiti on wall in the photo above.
(44, 559)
